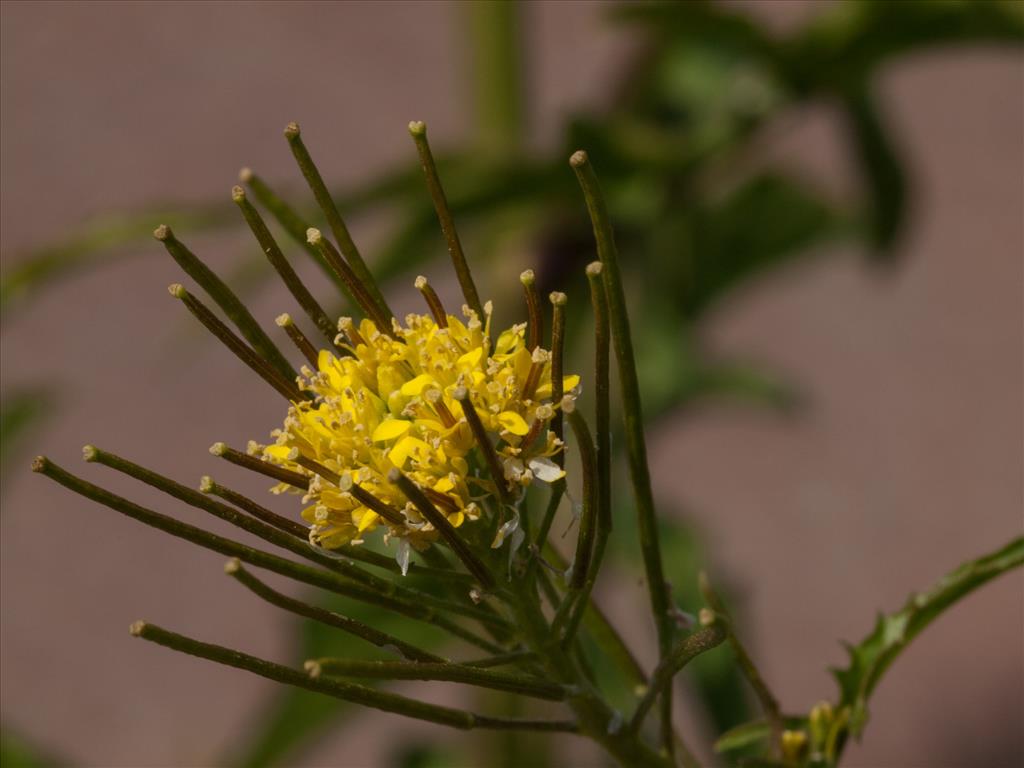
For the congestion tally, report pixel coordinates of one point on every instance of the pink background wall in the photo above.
(908, 461)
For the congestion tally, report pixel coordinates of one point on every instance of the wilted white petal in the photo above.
(545, 469)
(402, 555)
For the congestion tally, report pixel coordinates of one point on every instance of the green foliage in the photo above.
(15, 752)
(872, 656)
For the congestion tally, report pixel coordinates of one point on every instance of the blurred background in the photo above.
(821, 208)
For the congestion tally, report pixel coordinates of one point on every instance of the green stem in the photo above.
(453, 673)
(208, 485)
(497, 70)
(316, 577)
(357, 694)
(257, 364)
(596, 720)
(769, 703)
(329, 618)
(333, 215)
(226, 299)
(287, 217)
(603, 470)
(501, 659)
(298, 338)
(632, 416)
(685, 651)
(535, 318)
(447, 531)
(483, 441)
(283, 268)
(356, 289)
(266, 468)
(588, 519)
(418, 131)
(386, 592)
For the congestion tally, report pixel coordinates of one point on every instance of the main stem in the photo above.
(594, 716)
(632, 417)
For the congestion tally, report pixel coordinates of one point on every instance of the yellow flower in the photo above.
(391, 405)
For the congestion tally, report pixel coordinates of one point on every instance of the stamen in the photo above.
(246, 461)
(281, 265)
(364, 497)
(208, 485)
(436, 399)
(226, 299)
(602, 390)
(287, 217)
(356, 289)
(433, 301)
(333, 216)
(490, 455)
(239, 348)
(418, 131)
(298, 338)
(382, 508)
(348, 327)
(540, 358)
(558, 301)
(535, 326)
(415, 494)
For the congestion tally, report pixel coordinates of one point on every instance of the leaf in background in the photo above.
(768, 221)
(871, 657)
(753, 733)
(15, 752)
(880, 168)
(19, 411)
(103, 240)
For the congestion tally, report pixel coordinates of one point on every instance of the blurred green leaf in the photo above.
(753, 733)
(16, 752)
(766, 222)
(21, 411)
(873, 655)
(880, 168)
(103, 240)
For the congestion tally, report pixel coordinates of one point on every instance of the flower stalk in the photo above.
(632, 416)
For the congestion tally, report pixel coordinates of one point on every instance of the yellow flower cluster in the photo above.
(394, 403)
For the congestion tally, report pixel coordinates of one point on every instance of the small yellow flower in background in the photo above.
(391, 404)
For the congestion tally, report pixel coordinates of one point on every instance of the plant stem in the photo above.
(454, 673)
(357, 290)
(446, 529)
(285, 386)
(333, 215)
(283, 268)
(298, 338)
(357, 694)
(418, 131)
(273, 471)
(226, 299)
(501, 659)
(483, 441)
(686, 650)
(208, 485)
(767, 699)
(594, 716)
(497, 70)
(330, 618)
(297, 571)
(632, 416)
(286, 216)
